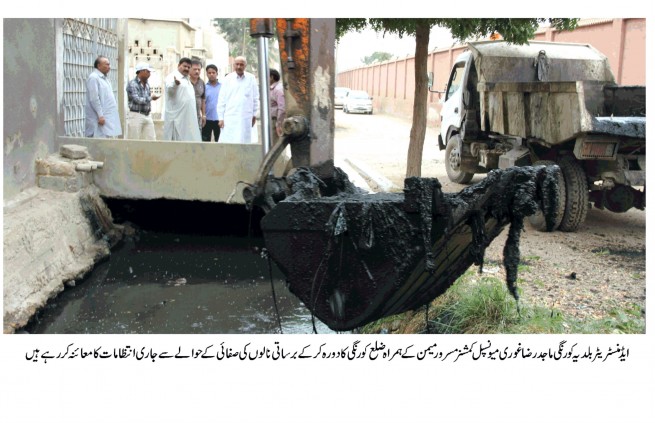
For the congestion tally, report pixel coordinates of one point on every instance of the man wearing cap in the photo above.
(180, 116)
(139, 120)
(101, 110)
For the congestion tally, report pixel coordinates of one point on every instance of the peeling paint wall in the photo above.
(30, 101)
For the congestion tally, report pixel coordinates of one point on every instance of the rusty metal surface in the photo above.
(307, 51)
(262, 28)
(296, 80)
(293, 38)
(354, 258)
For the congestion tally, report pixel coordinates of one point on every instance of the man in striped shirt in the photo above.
(139, 120)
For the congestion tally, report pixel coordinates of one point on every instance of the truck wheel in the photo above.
(577, 194)
(537, 220)
(453, 161)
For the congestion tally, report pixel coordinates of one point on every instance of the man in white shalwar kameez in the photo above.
(238, 103)
(180, 116)
(101, 110)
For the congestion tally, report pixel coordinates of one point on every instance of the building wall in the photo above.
(391, 84)
(162, 43)
(30, 116)
(633, 63)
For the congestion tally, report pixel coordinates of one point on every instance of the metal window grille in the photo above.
(84, 40)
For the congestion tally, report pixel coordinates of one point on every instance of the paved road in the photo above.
(381, 142)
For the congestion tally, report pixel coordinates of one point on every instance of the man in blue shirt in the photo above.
(212, 88)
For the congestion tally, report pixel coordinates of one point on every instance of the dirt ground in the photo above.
(589, 273)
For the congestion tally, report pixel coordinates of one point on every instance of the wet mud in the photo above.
(354, 258)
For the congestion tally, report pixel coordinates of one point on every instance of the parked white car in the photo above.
(358, 102)
(340, 94)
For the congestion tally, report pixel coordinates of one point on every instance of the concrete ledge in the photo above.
(375, 180)
(353, 175)
(50, 238)
(180, 170)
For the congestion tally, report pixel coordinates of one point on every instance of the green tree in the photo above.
(237, 33)
(517, 31)
(378, 56)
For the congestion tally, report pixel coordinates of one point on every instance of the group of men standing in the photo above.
(195, 110)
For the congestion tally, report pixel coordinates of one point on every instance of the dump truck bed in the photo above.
(554, 112)
(498, 61)
(553, 92)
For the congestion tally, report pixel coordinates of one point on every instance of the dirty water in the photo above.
(171, 283)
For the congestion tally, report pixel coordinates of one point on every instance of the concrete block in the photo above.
(65, 183)
(62, 168)
(54, 166)
(42, 167)
(83, 180)
(73, 151)
(79, 181)
(54, 183)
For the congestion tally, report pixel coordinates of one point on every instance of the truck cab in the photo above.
(460, 92)
(546, 103)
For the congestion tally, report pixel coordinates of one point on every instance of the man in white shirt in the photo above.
(101, 110)
(180, 116)
(238, 103)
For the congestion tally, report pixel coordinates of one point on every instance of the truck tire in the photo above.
(453, 160)
(537, 220)
(577, 194)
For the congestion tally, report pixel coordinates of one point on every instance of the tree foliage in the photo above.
(376, 57)
(237, 33)
(513, 30)
(516, 31)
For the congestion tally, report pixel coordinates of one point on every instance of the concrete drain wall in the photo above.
(52, 237)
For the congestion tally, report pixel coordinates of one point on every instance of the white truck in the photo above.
(543, 103)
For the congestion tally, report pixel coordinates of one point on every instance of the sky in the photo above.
(354, 46)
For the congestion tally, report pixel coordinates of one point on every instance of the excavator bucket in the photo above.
(353, 258)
